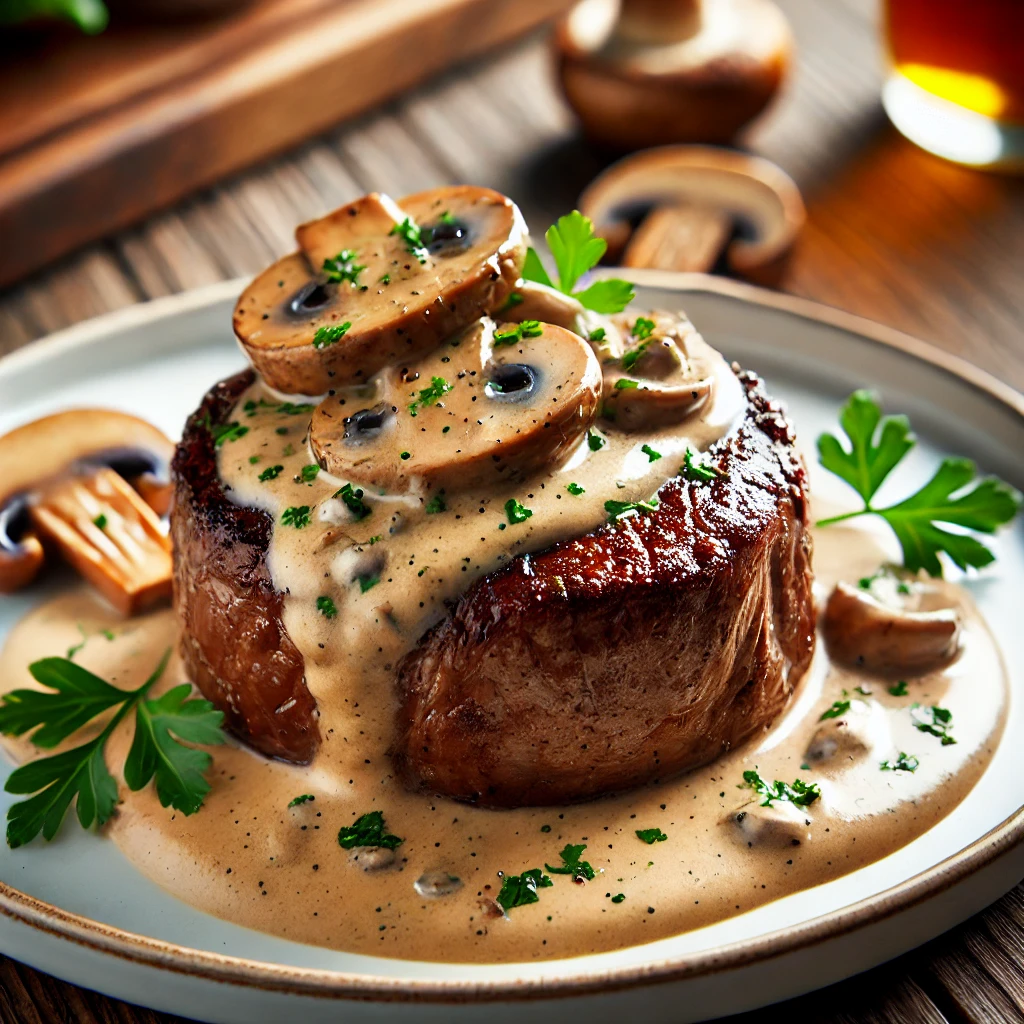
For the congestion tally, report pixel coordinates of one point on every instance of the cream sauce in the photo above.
(249, 858)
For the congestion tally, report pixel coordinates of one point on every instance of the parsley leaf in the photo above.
(368, 830)
(643, 328)
(436, 504)
(903, 763)
(595, 441)
(517, 512)
(303, 798)
(802, 794)
(619, 897)
(650, 836)
(368, 582)
(575, 489)
(652, 455)
(353, 498)
(326, 607)
(695, 468)
(343, 267)
(521, 890)
(430, 395)
(620, 509)
(295, 515)
(625, 382)
(228, 432)
(270, 473)
(876, 446)
(933, 720)
(581, 870)
(838, 709)
(411, 233)
(576, 249)
(309, 472)
(329, 335)
(899, 689)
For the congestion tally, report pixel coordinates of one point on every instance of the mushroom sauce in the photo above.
(709, 849)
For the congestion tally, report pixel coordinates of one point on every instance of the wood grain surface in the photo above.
(893, 234)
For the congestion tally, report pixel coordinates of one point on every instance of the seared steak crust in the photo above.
(232, 639)
(643, 649)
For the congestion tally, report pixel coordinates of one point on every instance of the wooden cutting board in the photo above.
(96, 133)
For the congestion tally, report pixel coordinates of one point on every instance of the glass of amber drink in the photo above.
(956, 84)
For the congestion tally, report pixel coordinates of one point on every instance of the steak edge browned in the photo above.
(640, 650)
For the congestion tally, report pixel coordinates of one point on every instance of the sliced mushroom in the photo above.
(710, 192)
(396, 300)
(892, 637)
(64, 475)
(489, 406)
(664, 374)
(775, 826)
(840, 742)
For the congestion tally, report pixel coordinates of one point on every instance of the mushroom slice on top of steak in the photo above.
(495, 404)
(378, 282)
(67, 480)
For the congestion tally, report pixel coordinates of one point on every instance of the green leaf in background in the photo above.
(90, 16)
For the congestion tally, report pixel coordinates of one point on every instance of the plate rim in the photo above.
(332, 984)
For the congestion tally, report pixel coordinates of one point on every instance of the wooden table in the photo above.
(893, 234)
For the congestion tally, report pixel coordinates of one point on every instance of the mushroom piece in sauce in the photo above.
(376, 282)
(494, 404)
(67, 480)
(904, 633)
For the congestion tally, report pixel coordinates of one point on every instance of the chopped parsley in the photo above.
(411, 233)
(294, 408)
(405, 456)
(385, 279)
(952, 496)
(632, 357)
(574, 488)
(305, 798)
(326, 607)
(652, 455)
(309, 472)
(581, 870)
(100, 522)
(802, 794)
(368, 581)
(597, 334)
(626, 384)
(595, 441)
(329, 335)
(436, 504)
(430, 395)
(228, 432)
(516, 512)
(270, 473)
(899, 689)
(343, 267)
(695, 468)
(903, 763)
(353, 498)
(933, 720)
(514, 299)
(295, 515)
(618, 897)
(545, 828)
(650, 836)
(368, 830)
(521, 890)
(518, 332)
(839, 708)
(643, 328)
(622, 509)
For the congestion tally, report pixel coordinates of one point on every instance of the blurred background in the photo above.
(867, 151)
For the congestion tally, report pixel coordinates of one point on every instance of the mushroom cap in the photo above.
(493, 413)
(669, 374)
(750, 189)
(401, 305)
(69, 442)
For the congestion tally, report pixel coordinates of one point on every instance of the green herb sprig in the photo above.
(343, 267)
(622, 509)
(953, 495)
(368, 830)
(430, 395)
(650, 836)
(521, 890)
(581, 870)
(803, 794)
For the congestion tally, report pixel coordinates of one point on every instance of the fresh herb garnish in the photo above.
(411, 233)
(650, 836)
(368, 830)
(695, 468)
(620, 509)
(305, 798)
(618, 897)
(353, 498)
(595, 441)
(626, 384)
(574, 488)
(803, 794)
(343, 267)
(309, 472)
(329, 335)
(368, 582)
(632, 357)
(581, 870)
(436, 504)
(517, 332)
(899, 689)
(576, 249)
(903, 763)
(326, 607)
(405, 456)
(294, 408)
(81, 774)
(517, 512)
(521, 890)
(597, 334)
(643, 328)
(228, 432)
(933, 720)
(270, 473)
(514, 299)
(295, 515)
(838, 709)
(652, 455)
(100, 522)
(877, 445)
(430, 395)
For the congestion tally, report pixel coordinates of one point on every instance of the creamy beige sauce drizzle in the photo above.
(249, 858)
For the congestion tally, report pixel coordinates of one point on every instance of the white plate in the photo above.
(77, 909)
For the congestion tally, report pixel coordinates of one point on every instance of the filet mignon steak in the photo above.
(642, 649)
